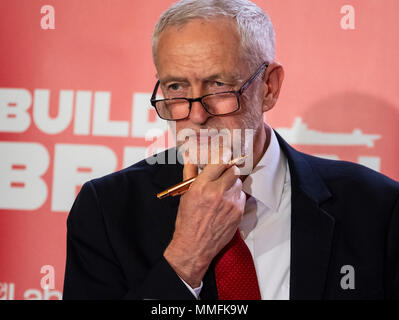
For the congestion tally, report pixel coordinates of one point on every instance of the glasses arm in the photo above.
(154, 93)
(252, 78)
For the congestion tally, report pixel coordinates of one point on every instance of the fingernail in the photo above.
(226, 156)
(237, 160)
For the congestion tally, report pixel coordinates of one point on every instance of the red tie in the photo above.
(235, 272)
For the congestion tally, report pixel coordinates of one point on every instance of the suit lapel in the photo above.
(311, 228)
(311, 237)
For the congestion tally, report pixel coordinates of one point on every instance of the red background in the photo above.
(336, 80)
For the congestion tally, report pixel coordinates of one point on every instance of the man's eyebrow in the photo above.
(223, 76)
(168, 79)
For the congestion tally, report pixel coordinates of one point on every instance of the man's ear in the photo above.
(273, 80)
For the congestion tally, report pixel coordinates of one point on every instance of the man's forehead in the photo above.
(232, 72)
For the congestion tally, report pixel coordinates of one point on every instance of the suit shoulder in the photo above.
(350, 173)
(135, 171)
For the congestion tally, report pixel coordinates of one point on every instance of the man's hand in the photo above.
(208, 216)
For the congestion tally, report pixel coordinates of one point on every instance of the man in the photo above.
(295, 227)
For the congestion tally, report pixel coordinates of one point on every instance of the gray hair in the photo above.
(253, 24)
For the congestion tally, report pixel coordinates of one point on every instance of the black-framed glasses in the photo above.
(216, 104)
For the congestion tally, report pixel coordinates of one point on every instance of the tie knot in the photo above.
(247, 196)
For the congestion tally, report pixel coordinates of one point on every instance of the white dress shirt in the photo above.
(266, 225)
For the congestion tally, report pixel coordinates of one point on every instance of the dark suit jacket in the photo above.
(342, 214)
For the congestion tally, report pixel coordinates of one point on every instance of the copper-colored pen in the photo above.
(182, 187)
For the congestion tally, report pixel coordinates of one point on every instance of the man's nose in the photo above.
(198, 114)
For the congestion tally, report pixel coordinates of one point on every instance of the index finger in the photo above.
(212, 172)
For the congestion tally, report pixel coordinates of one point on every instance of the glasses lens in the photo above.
(221, 103)
(173, 109)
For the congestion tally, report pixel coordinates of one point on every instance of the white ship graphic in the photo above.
(300, 134)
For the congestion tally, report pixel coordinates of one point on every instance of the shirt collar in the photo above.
(266, 181)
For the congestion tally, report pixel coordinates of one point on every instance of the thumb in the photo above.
(189, 171)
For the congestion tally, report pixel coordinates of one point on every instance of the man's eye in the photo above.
(174, 86)
(219, 84)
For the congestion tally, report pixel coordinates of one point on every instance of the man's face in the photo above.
(203, 57)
